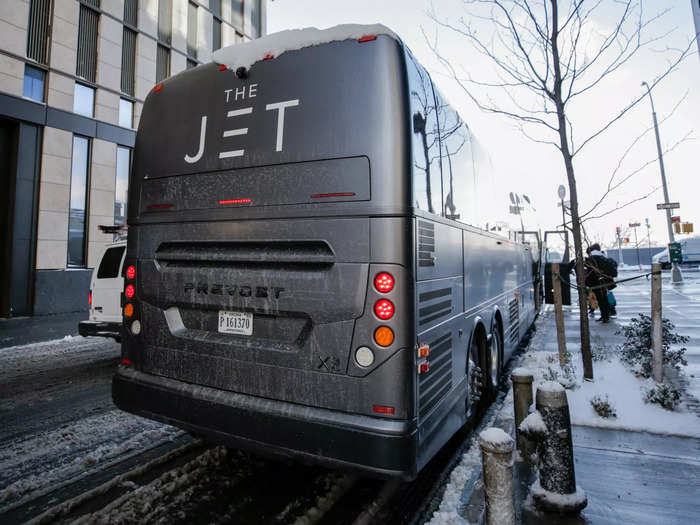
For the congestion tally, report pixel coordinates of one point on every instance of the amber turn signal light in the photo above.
(384, 336)
(128, 309)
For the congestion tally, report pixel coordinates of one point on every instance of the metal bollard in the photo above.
(556, 488)
(497, 456)
(522, 400)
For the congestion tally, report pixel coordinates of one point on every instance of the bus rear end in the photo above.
(268, 259)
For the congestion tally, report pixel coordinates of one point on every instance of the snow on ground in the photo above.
(248, 53)
(37, 464)
(624, 391)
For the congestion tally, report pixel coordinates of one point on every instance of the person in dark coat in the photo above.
(595, 266)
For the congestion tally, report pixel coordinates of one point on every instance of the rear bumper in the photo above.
(382, 447)
(100, 329)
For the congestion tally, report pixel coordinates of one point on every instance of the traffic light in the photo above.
(687, 227)
(676, 227)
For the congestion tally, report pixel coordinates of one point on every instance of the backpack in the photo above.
(610, 267)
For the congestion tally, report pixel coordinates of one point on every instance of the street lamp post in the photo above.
(676, 276)
(648, 238)
(634, 226)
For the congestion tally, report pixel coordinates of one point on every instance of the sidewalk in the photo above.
(642, 467)
(27, 330)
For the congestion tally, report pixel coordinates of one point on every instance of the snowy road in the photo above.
(67, 454)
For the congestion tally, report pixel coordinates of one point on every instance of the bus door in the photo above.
(556, 249)
(533, 241)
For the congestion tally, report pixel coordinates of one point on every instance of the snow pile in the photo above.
(248, 53)
(533, 424)
(521, 371)
(551, 387)
(496, 439)
(554, 500)
(624, 391)
(448, 512)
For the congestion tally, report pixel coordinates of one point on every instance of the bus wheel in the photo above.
(478, 373)
(495, 357)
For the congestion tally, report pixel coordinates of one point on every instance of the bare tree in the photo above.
(546, 54)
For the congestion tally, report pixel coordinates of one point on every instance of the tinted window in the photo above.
(78, 196)
(458, 175)
(84, 100)
(427, 185)
(33, 83)
(109, 266)
(122, 184)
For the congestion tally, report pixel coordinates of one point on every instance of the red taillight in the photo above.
(160, 206)
(381, 409)
(130, 291)
(384, 309)
(384, 282)
(126, 362)
(131, 272)
(90, 298)
(157, 88)
(327, 195)
(236, 201)
(222, 67)
(424, 367)
(268, 57)
(367, 38)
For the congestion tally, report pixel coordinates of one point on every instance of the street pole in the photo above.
(619, 247)
(634, 226)
(648, 238)
(676, 276)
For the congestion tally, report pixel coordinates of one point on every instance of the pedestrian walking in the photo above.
(600, 273)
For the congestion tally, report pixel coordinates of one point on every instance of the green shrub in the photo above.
(665, 395)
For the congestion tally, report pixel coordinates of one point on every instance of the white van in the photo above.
(690, 249)
(106, 287)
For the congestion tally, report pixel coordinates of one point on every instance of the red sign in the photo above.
(676, 218)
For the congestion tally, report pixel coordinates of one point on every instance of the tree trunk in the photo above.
(575, 219)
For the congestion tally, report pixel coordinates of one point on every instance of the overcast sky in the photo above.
(537, 169)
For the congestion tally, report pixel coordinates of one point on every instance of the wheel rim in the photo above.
(495, 347)
(476, 384)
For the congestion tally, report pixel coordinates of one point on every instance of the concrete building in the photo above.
(73, 78)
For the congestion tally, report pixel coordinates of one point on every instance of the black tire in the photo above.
(479, 380)
(495, 351)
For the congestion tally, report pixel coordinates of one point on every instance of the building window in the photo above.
(237, 15)
(122, 184)
(192, 30)
(84, 100)
(162, 63)
(38, 30)
(215, 6)
(254, 19)
(33, 83)
(216, 34)
(86, 65)
(126, 113)
(129, 47)
(165, 20)
(78, 201)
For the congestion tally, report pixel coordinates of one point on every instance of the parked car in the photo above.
(690, 249)
(106, 285)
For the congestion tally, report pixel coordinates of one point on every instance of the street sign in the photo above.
(676, 218)
(669, 206)
(515, 210)
(634, 225)
(675, 253)
(561, 191)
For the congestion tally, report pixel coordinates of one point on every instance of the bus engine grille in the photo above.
(426, 243)
(514, 316)
(435, 384)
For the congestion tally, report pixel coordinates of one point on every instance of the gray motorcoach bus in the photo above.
(309, 271)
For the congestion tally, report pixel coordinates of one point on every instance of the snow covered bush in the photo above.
(663, 394)
(603, 407)
(637, 351)
(600, 353)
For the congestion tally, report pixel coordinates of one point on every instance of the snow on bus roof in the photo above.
(248, 53)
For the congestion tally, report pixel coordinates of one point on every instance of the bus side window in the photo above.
(425, 142)
(458, 177)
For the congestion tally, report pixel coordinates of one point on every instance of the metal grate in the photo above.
(162, 63)
(38, 30)
(86, 66)
(514, 318)
(426, 243)
(437, 304)
(435, 384)
(128, 61)
(131, 12)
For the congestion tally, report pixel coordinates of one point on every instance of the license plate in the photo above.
(240, 323)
